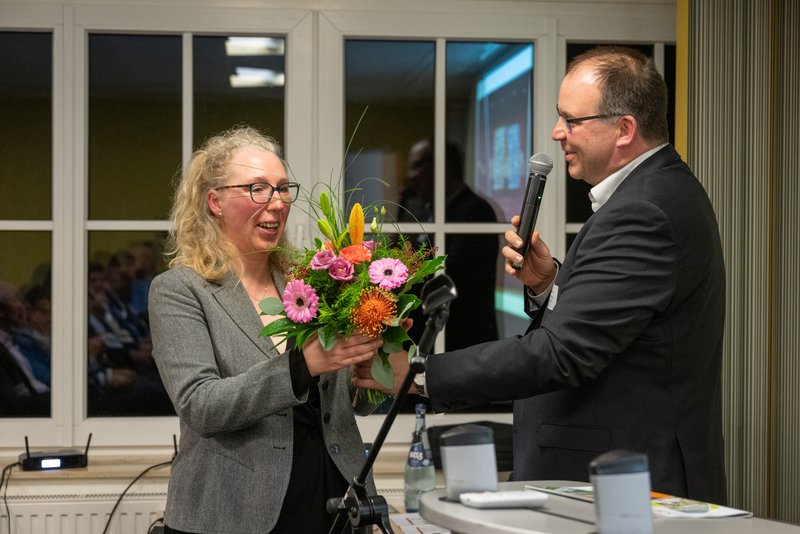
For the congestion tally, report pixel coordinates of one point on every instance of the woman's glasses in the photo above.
(262, 192)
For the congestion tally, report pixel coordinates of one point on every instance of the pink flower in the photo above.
(388, 273)
(340, 269)
(300, 301)
(322, 260)
(369, 245)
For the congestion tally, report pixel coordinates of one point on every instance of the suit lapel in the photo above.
(662, 158)
(232, 297)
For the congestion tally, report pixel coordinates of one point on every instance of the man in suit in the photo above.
(471, 258)
(625, 347)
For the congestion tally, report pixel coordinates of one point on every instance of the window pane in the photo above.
(489, 103)
(134, 125)
(238, 80)
(669, 79)
(122, 376)
(472, 263)
(487, 307)
(26, 65)
(25, 364)
(390, 83)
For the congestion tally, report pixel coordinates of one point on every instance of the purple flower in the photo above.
(340, 269)
(300, 301)
(369, 245)
(388, 273)
(322, 260)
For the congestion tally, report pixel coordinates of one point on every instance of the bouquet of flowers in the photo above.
(348, 284)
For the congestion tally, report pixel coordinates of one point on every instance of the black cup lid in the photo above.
(468, 434)
(617, 462)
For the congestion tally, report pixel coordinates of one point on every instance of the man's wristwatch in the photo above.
(419, 381)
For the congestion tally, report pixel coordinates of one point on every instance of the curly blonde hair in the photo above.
(196, 238)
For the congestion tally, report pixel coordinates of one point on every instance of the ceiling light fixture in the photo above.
(250, 77)
(254, 46)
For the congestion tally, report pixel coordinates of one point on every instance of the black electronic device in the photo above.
(540, 166)
(57, 459)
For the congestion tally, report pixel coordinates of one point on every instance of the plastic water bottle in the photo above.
(420, 475)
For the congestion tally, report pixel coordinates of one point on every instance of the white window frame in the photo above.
(314, 140)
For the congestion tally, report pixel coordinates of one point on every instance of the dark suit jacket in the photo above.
(17, 396)
(629, 357)
(233, 394)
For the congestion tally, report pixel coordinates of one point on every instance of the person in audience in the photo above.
(123, 379)
(625, 347)
(471, 258)
(34, 344)
(145, 267)
(268, 433)
(40, 316)
(22, 392)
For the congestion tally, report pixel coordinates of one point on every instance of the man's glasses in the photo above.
(262, 192)
(579, 120)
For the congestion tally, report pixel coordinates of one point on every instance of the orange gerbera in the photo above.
(355, 254)
(375, 311)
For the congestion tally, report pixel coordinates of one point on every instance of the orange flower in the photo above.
(356, 224)
(375, 311)
(355, 254)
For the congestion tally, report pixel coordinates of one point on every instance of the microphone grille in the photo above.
(541, 163)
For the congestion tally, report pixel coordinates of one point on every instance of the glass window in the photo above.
(135, 139)
(488, 110)
(386, 84)
(134, 125)
(488, 118)
(122, 376)
(26, 65)
(238, 80)
(25, 333)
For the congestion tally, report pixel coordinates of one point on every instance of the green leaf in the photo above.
(303, 336)
(271, 306)
(327, 336)
(412, 351)
(427, 268)
(407, 303)
(393, 339)
(283, 325)
(342, 237)
(382, 372)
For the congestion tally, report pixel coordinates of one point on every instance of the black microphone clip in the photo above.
(436, 293)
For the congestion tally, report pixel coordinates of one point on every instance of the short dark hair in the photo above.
(629, 84)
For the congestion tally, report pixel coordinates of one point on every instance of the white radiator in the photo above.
(81, 514)
(65, 506)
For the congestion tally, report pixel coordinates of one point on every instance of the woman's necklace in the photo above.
(259, 299)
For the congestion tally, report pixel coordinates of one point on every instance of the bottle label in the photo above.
(418, 456)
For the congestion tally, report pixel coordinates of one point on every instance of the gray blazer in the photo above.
(232, 392)
(630, 354)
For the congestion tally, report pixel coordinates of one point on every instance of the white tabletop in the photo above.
(563, 515)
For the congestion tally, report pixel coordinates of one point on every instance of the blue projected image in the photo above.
(503, 139)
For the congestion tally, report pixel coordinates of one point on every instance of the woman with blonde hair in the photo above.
(267, 432)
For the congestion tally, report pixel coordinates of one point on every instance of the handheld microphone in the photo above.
(540, 166)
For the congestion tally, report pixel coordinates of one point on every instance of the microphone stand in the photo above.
(364, 510)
